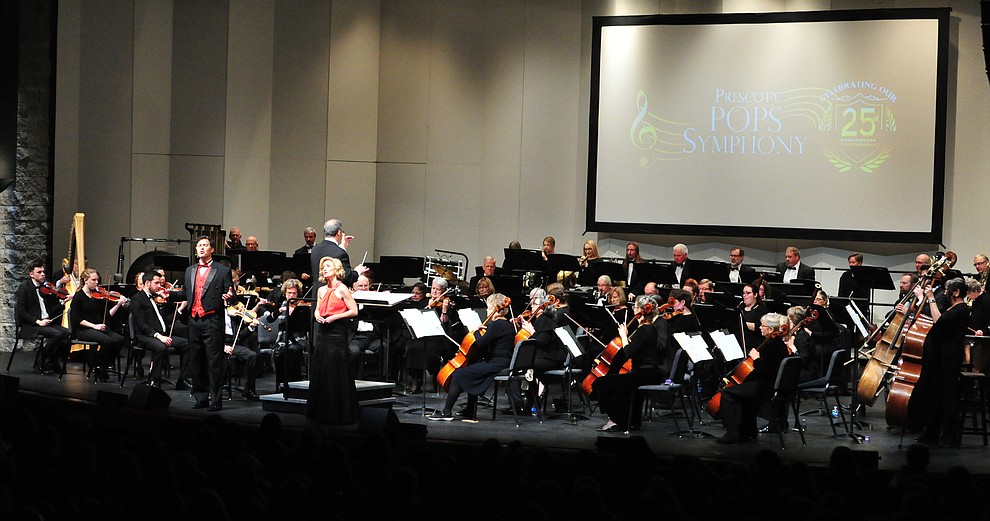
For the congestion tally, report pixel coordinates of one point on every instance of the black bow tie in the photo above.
(793, 268)
(734, 268)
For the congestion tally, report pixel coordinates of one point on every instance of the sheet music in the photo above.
(570, 341)
(694, 345)
(470, 318)
(727, 344)
(422, 322)
(857, 321)
(381, 297)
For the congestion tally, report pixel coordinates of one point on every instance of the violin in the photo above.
(105, 294)
(246, 314)
(49, 289)
(438, 303)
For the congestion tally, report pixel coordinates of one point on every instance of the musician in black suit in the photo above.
(739, 272)
(37, 312)
(209, 286)
(792, 268)
(152, 335)
(682, 265)
(334, 245)
(309, 235)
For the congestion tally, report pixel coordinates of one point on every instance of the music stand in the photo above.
(873, 277)
(660, 273)
(720, 299)
(798, 287)
(523, 260)
(709, 269)
(509, 285)
(394, 269)
(172, 264)
(612, 269)
(574, 348)
(423, 324)
(562, 262)
(299, 263)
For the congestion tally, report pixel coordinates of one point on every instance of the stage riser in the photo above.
(369, 394)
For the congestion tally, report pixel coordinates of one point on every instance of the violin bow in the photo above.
(585, 330)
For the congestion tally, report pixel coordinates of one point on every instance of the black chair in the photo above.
(89, 346)
(785, 390)
(675, 388)
(519, 370)
(826, 386)
(18, 337)
(569, 377)
(974, 405)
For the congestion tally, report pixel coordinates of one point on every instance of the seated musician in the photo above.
(488, 269)
(679, 319)
(590, 253)
(90, 311)
(399, 333)
(429, 354)
(740, 403)
(238, 331)
(550, 351)
(692, 286)
(614, 390)
(368, 336)
(484, 288)
(153, 333)
(823, 333)
(38, 314)
(705, 286)
(751, 308)
(618, 304)
(495, 348)
(800, 344)
(294, 319)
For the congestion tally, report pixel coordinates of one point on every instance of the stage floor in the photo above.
(556, 431)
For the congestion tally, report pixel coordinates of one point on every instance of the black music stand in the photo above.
(172, 264)
(558, 262)
(509, 285)
(709, 269)
(873, 277)
(523, 260)
(721, 299)
(299, 263)
(394, 269)
(612, 269)
(660, 273)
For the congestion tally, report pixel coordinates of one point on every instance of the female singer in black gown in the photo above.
(332, 395)
(615, 389)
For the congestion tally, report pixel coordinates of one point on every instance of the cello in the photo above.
(896, 334)
(743, 370)
(463, 355)
(603, 364)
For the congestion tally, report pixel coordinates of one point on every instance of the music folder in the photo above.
(727, 344)
(422, 322)
(523, 260)
(694, 345)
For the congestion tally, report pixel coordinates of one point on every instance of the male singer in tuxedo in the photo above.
(792, 268)
(739, 272)
(36, 315)
(151, 333)
(334, 245)
(208, 287)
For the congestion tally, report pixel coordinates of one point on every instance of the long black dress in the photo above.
(332, 394)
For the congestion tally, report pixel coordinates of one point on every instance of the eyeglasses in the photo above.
(978, 264)
(747, 292)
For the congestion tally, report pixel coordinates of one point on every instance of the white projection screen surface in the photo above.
(815, 125)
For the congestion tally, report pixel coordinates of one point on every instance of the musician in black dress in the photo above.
(751, 308)
(294, 320)
(495, 348)
(615, 389)
(935, 400)
(679, 319)
(89, 315)
(741, 403)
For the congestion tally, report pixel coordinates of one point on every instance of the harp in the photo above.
(73, 265)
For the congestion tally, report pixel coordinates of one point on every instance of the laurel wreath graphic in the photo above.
(844, 164)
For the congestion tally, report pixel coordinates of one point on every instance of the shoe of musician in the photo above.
(139, 370)
(729, 439)
(250, 395)
(182, 384)
(608, 426)
(215, 407)
(466, 414)
(201, 404)
(438, 416)
(153, 382)
(102, 374)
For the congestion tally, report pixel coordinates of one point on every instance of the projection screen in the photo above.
(814, 125)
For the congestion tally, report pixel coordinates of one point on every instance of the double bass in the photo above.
(743, 370)
(603, 364)
(912, 346)
(463, 355)
(900, 330)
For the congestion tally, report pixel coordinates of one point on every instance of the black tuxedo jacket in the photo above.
(143, 317)
(747, 274)
(28, 308)
(218, 282)
(804, 271)
(331, 249)
(686, 272)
